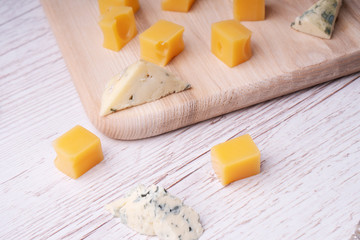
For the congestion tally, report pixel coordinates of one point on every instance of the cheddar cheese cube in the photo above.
(106, 5)
(230, 42)
(177, 5)
(235, 159)
(245, 10)
(118, 27)
(78, 150)
(161, 42)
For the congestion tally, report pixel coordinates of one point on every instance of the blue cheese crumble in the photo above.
(153, 211)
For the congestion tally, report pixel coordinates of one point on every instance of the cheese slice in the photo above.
(140, 83)
(319, 19)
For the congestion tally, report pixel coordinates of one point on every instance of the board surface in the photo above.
(283, 61)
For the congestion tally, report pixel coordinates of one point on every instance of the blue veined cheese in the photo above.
(181, 224)
(153, 211)
(356, 235)
(140, 83)
(319, 19)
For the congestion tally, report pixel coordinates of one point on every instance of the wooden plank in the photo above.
(284, 61)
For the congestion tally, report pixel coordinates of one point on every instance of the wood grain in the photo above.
(308, 188)
(284, 61)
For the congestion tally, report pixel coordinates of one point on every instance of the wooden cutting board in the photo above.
(283, 61)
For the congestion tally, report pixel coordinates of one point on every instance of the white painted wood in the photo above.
(308, 188)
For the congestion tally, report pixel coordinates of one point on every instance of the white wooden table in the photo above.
(308, 188)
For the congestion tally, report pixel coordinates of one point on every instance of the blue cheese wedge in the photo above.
(140, 83)
(153, 211)
(319, 19)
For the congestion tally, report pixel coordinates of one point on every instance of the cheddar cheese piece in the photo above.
(319, 19)
(230, 42)
(106, 5)
(245, 10)
(118, 26)
(235, 159)
(78, 150)
(161, 42)
(177, 5)
(140, 83)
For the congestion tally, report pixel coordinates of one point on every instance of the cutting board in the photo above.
(283, 61)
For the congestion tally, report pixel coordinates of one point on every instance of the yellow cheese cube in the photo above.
(106, 5)
(78, 150)
(235, 159)
(118, 26)
(177, 5)
(230, 42)
(161, 42)
(245, 10)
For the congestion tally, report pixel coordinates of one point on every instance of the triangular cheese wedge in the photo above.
(319, 19)
(140, 83)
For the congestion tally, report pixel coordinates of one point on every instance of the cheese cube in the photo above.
(176, 5)
(118, 26)
(245, 10)
(106, 5)
(161, 42)
(235, 159)
(230, 42)
(78, 150)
